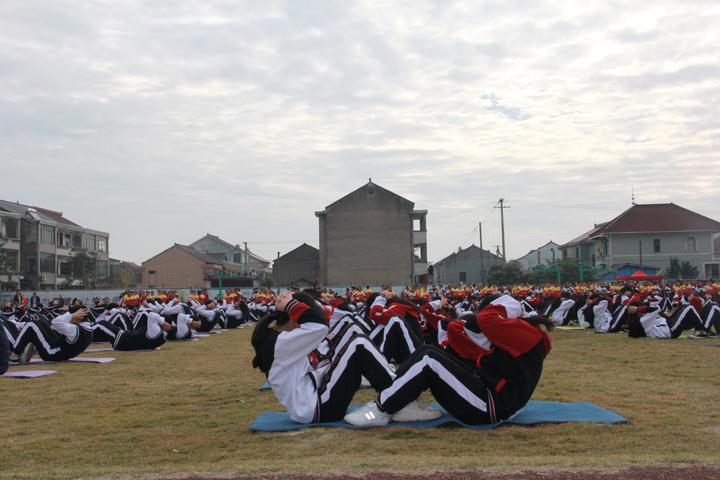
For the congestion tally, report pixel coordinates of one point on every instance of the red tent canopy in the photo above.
(641, 276)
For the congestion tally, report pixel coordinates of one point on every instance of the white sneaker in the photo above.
(27, 354)
(415, 412)
(368, 416)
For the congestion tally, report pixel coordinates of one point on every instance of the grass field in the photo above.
(185, 410)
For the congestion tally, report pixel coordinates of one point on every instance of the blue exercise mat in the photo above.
(535, 412)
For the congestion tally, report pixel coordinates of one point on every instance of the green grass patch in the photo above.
(185, 410)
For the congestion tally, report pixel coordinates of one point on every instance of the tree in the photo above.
(8, 265)
(508, 274)
(673, 270)
(84, 270)
(688, 270)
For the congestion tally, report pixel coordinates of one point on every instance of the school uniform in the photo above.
(323, 394)
(560, 314)
(57, 339)
(494, 364)
(402, 333)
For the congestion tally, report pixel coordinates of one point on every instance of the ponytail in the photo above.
(541, 321)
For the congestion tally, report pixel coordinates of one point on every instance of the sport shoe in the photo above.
(369, 415)
(697, 334)
(415, 412)
(27, 354)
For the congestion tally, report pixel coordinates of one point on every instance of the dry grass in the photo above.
(185, 410)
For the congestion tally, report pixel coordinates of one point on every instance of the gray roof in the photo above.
(471, 247)
(39, 213)
(368, 184)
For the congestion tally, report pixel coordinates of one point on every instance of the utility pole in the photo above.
(482, 255)
(502, 208)
(246, 259)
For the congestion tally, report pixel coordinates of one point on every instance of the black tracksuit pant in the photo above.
(51, 345)
(355, 358)
(454, 386)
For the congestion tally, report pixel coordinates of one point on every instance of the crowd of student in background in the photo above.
(643, 309)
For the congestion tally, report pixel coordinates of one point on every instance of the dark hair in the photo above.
(308, 300)
(312, 292)
(487, 300)
(541, 320)
(262, 332)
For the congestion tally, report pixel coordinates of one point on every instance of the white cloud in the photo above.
(160, 121)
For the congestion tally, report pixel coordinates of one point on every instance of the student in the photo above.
(64, 337)
(489, 372)
(283, 343)
(400, 320)
(150, 336)
(560, 314)
(4, 352)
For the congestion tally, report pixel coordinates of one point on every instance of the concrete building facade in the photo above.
(181, 266)
(372, 236)
(466, 266)
(251, 264)
(300, 267)
(650, 235)
(543, 255)
(47, 244)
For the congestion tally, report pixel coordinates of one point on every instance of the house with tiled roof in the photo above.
(649, 235)
(251, 263)
(41, 245)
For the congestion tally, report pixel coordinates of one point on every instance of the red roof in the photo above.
(659, 217)
(640, 275)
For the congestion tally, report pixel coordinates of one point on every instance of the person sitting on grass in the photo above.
(318, 392)
(150, 335)
(648, 321)
(488, 371)
(62, 338)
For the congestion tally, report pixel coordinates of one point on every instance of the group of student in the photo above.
(481, 365)
(61, 331)
(480, 353)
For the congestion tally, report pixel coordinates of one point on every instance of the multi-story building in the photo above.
(49, 242)
(650, 235)
(125, 274)
(10, 273)
(548, 253)
(466, 266)
(372, 236)
(181, 266)
(249, 263)
(299, 267)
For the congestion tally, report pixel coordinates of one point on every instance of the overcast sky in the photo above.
(160, 121)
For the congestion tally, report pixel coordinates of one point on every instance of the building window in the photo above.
(102, 244)
(47, 235)
(101, 268)
(151, 272)
(65, 268)
(9, 228)
(47, 263)
(90, 242)
(690, 246)
(463, 277)
(656, 245)
(31, 265)
(77, 241)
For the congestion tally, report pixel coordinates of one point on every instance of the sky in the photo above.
(159, 121)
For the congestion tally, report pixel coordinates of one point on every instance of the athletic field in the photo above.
(184, 411)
